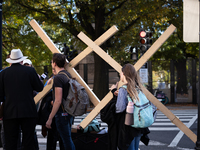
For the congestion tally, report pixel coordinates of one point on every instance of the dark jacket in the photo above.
(17, 84)
(119, 134)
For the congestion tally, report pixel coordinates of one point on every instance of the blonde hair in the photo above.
(133, 80)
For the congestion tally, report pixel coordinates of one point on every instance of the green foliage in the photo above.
(174, 48)
(62, 20)
(17, 33)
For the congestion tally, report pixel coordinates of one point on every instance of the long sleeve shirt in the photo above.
(122, 100)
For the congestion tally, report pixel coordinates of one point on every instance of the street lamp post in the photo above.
(1, 1)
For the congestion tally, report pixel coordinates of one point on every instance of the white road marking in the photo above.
(164, 129)
(153, 143)
(169, 120)
(180, 134)
(161, 124)
(178, 116)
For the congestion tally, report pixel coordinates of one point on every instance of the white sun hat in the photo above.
(16, 56)
(27, 61)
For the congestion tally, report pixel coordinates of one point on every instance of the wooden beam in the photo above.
(170, 115)
(110, 32)
(108, 97)
(99, 51)
(49, 43)
(137, 66)
(54, 49)
(96, 110)
(118, 67)
(156, 45)
(43, 93)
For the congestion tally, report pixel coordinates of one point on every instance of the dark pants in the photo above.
(36, 141)
(63, 126)
(19, 144)
(53, 137)
(11, 131)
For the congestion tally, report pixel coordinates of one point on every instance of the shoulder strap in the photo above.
(64, 74)
(62, 100)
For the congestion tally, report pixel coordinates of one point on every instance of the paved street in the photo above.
(164, 134)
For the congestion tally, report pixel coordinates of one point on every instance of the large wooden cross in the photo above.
(94, 46)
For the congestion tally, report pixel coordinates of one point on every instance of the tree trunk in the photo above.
(181, 87)
(101, 83)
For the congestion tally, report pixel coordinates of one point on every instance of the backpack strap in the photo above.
(64, 74)
(75, 90)
(74, 86)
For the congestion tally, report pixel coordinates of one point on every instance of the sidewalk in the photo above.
(180, 106)
(177, 106)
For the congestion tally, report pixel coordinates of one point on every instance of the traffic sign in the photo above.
(143, 72)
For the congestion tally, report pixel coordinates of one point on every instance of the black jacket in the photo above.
(119, 134)
(17, 84)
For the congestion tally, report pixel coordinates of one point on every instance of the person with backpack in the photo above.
(44, 111)
(128, 136)
(61, 86)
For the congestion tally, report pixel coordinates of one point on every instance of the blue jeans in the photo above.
(63, 125)
(135, 143)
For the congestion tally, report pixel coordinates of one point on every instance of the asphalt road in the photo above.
(165, 139)
(164, 135)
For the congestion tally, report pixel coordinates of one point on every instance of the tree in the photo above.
(17, 33)
(63, 20)
(175, 48)
(79, 15)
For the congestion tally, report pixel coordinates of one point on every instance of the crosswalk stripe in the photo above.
(178, 116)
(42, 140)
(164, 129)
(170, 121)
(38, 127)
(186, 114)
(180, 134)
(162, 123)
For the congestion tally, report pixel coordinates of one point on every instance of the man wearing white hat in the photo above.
(17, 83)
